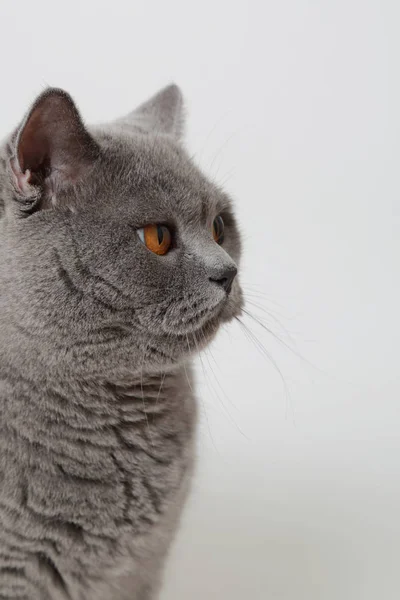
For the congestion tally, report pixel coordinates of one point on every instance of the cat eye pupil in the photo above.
(156, 238)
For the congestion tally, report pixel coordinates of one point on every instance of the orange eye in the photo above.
(218, 229)
(156, 238)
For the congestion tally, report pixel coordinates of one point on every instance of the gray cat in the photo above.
(117, 265)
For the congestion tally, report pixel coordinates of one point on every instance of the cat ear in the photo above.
(162, 113)
(52, 148)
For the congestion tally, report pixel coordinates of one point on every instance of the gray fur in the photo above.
(97, 412)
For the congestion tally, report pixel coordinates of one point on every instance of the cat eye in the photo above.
(218, 229)
(156, 238)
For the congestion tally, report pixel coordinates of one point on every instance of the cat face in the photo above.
(118, 247)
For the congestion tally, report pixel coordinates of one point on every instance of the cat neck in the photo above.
(93, 400)
(76, 418)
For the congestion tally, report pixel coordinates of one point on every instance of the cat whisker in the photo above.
(207, 352)
(294, 351)
(143, 400)
(197, 155)
(159, 392)
(273, 334)
(202, 401)
(263, 351)
(258, 290)
(221, 148)
(215, 392)
(273, 317)
(227, 177)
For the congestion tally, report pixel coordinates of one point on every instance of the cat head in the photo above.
(116, 252)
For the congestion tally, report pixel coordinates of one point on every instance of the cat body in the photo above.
(97, 332)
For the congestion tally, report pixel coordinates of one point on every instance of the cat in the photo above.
(118, 264)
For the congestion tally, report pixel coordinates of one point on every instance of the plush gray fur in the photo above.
(97, 412)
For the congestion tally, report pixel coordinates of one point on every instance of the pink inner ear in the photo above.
(21, 180)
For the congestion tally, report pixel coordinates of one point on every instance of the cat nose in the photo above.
(225, 278)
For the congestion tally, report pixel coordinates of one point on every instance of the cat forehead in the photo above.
(158, 172)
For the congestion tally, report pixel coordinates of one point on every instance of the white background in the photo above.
(294, 105)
